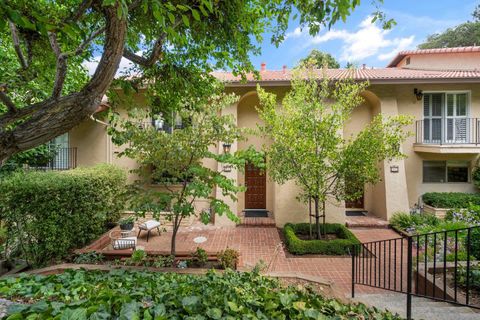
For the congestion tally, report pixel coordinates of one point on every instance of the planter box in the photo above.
(438, 212)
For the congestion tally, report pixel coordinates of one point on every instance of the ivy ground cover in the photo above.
(121, 294)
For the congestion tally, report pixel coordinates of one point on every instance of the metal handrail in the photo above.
(447, 131)
(396, 265)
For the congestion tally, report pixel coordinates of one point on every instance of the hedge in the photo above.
(339, 246)
(47, 214)
(450, 199)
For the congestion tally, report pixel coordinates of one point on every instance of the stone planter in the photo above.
(438, 212)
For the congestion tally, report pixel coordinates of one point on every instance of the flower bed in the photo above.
(450, 199)
(85, 294)
(340, 246)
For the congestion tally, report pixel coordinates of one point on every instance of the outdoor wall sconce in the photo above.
(394, 169)
(226, 148)
(418, 94)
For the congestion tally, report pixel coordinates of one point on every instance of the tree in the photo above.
(465, 34)
(176, 160)
(320, 60)
(167, 41)
(325, 165)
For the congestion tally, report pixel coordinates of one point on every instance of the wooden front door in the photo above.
(256, 183)
(355, 204)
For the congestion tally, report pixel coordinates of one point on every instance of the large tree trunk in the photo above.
(56, 116)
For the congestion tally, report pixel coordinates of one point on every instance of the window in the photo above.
(445, 117)
(407, 61)
(445, 171)
(160, 122)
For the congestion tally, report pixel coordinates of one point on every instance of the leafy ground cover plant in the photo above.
(92, 257)
(199, 257)
(410, 223)
(147, 295)
(339, 246)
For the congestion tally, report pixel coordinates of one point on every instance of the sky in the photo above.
(358, 40)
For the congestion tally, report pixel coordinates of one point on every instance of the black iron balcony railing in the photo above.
(442, 266)
(64, 159)
(448, 131)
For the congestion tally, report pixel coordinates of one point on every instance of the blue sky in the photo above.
(360, 42)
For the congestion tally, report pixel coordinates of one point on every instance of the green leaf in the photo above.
(195, 15)
(74, 314)
(185, 20)
(190, 300)
(214, 313)
(130, 311)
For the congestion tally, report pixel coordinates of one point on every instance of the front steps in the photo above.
(268, 221)
(422, 308)
(366, 222)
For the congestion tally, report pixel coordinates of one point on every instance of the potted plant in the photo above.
(126, 223)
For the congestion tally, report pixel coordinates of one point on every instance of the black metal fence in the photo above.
(448, 131)
(440, 265)
(63, 159)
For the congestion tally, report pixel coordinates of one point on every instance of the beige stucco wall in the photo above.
(395, 191)
(442, 61)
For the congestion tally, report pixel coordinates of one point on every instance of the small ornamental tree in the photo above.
(175, 160)
(308, 147)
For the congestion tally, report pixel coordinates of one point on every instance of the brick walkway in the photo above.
(262, 243)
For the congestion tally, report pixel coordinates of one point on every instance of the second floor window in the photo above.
(167, 124)
(445, 117)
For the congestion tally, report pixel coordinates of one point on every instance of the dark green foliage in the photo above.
(199, 257)
(122, 294)
(49, 213)
(476, 176)
(228, 258)
(474, 242)
(91, 257)
(36, 157)
(450, 199)
(474, 281)
(319, 60)
(340, 246)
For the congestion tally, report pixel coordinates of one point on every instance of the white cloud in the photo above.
(298, 32)
(124, 65)
(368, 40)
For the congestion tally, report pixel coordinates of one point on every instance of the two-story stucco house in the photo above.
(440, 88)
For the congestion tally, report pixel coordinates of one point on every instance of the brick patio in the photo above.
(262, 243)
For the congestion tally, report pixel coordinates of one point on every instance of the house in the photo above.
(440, 88)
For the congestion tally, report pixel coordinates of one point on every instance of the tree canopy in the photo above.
(324, 164)
(320, 60)
(45, 91)
(465, 34)
(174, 152)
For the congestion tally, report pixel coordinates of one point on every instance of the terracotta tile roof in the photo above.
(373, 75)
(402, 54)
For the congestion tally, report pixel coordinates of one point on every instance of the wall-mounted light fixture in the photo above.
(418, 94)
(394, 169)
(226, 148)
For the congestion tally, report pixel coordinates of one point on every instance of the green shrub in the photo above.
(340, 246)
(50, 213)
(164, 261)
(121, 294)
(450, 199)
(411, 223)
(228, 258)
(474, 242)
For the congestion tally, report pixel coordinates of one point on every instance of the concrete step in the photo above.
(422, 308)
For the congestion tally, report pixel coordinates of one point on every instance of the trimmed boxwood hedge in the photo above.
(451, 199)
(340, 246)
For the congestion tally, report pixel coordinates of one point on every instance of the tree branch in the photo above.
(16, 45)
(85, 43)
(6, 100)
(61, 71)
(78, 13)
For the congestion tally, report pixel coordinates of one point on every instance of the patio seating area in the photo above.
(253, 244)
